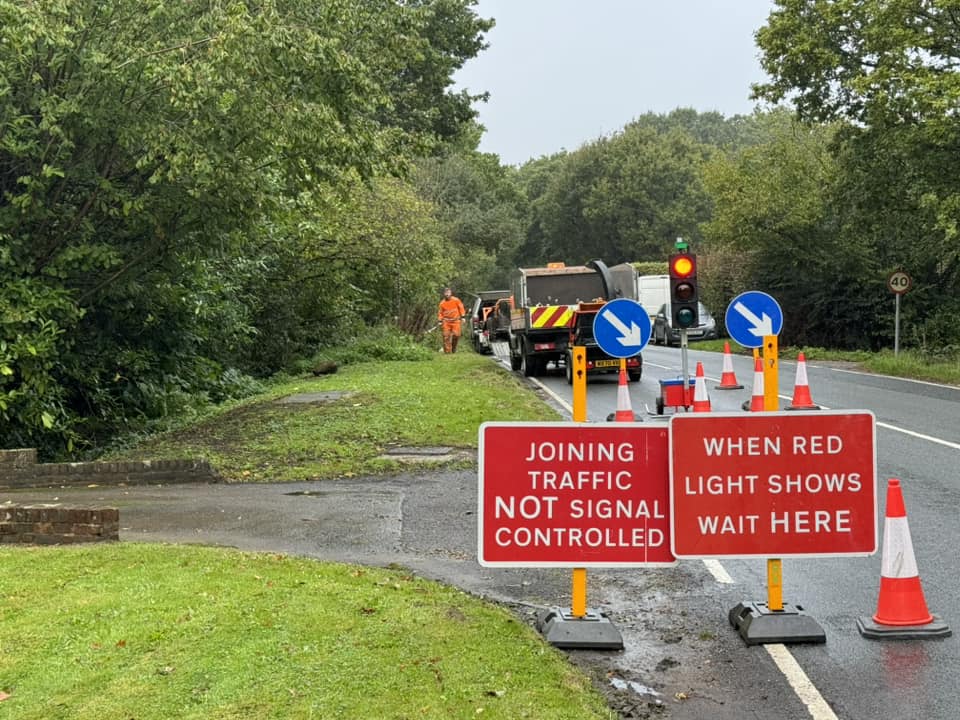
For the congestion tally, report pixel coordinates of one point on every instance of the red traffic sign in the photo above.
(573, 495)
(899, 282)
(773, 484)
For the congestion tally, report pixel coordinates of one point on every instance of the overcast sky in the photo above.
(561, 73)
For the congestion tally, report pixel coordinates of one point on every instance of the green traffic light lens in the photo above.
(686, 318)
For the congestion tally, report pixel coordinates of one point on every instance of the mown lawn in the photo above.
(148, 632)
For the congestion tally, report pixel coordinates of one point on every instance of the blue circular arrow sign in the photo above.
(751, 315)
(622, 328)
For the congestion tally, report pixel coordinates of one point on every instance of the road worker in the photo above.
(449, 315)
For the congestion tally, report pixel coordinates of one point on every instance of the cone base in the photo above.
(802, 407)
(728, 387)
(624, 416)
(870, 628)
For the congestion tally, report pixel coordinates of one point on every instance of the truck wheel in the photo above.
(568, 362)
(528, 363)
(514, 359)
(659, 406)
(635, 375)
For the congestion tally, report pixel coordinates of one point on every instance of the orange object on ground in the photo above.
(801, 388)
(701, 401)
(624, 410)
(728, 380)
(901, 607)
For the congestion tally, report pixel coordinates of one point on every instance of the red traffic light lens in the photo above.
(682, 266)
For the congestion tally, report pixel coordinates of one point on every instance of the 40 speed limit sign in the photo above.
(899, 282)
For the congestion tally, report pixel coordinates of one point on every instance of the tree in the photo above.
(889, 69)
(776, 224)
(148, 147)
(622, 198)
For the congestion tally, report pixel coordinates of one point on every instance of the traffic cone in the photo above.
(624, 411)
(728, 380)
(801, 388)
(901, 608)
(756, 400)
(701, 401)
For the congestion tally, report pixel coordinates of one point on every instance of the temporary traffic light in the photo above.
(684, 297)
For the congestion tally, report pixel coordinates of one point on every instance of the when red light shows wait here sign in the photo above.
(773, 484)
(573, 495)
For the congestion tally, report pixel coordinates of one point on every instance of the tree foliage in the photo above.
(622, 198)
(888, 70)
(159, 161)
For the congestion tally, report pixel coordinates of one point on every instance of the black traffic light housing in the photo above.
(684, 295)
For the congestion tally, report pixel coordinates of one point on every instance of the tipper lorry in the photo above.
(554, 308)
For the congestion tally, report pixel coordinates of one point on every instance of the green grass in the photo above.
(124, 631)
(441, 400)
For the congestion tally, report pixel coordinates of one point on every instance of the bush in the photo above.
(384, 342)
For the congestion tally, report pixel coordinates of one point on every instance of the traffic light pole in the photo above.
(685, 368)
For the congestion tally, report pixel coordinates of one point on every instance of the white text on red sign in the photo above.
(773, 484)
(573, 495)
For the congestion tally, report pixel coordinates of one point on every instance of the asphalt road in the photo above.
(918, 442)
(682, 659)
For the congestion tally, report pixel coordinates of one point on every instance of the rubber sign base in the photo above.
(593, 631)
(758, 624)
(871, 629)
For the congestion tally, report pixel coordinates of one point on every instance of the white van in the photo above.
(653, 291)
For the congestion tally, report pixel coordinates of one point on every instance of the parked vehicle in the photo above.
(498, 320)
(653, 291)
(665, 334)
(554, 308)
(483, 305)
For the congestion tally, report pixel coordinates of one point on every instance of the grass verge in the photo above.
(154, 632)
(440, 400)
(908, 364)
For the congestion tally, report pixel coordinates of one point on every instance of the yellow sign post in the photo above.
(771, 401)
(580, 627)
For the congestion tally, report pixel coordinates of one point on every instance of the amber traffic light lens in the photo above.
(682, 266)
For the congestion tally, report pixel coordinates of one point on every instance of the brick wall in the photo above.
(58, 524)
(20, 469)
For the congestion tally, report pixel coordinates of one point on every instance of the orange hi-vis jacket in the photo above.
(451, 310)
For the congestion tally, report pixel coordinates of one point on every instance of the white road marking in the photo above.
(801, 684)
(719, 572)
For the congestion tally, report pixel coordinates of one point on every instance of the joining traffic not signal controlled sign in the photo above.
(684, 296)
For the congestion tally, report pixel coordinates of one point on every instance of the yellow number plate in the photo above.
(606, 363)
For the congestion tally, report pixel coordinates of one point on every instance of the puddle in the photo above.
(632, 685)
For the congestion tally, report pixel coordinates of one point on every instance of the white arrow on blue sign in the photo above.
(622, 328)
(751, 315)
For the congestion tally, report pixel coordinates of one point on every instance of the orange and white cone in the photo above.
(701, 401)
(901, 608)
(728, 380)
(801, 388)
(624, 410)
(756, 400)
